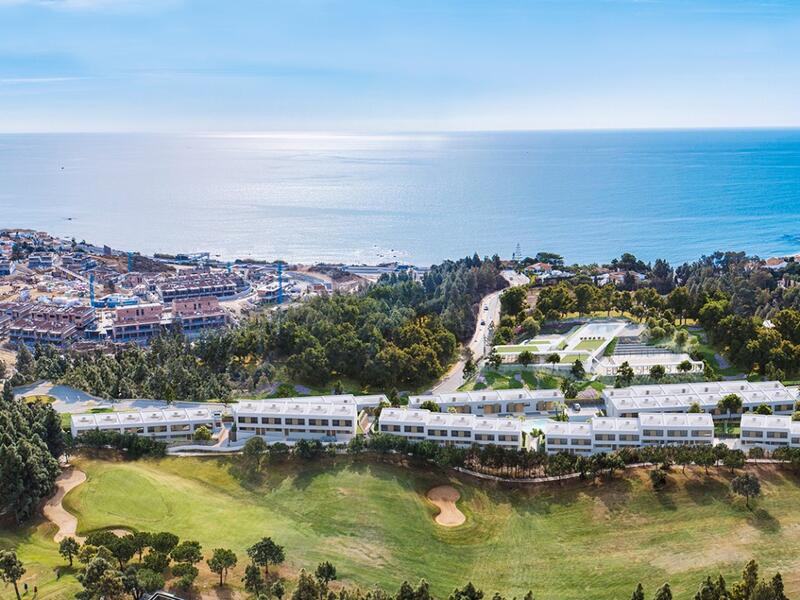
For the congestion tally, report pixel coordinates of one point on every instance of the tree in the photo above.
(658, 372)
(685, 366)
(163, 542)
(663, 593)
(430, 405)
(730, 403)
(147, 581)
(325, 572)
(625, 375)
(735, 459)
(253, 580)
(266, 552)
(525, 358)
(513, 301)
(577, 370)
(494, 360)
(254, 451)
(554, 359)
(221, 560)
(638, 593)
(763, 409)
(746, 485)
(187, 552)
(187, 573)
(11, 569)
(202, 434)
(8, 391)
(658, 477)
(68, 548)
(694, 408)
(468, 592)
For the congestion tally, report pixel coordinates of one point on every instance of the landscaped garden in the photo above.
(373, 522)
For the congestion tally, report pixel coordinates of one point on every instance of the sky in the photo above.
(397, 65)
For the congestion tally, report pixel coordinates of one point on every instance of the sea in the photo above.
(412, 198)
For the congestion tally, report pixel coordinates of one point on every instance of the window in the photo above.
(484, 437)
(605, 437)
(318, 422)
(652, 433)
(271, 420)
(779, 435)
(752, 434)
(628, 437)
(413, 429)
(290, 421)
(581, 442)
(702, 433)
(460, 433)
(342, 423)
(677, 433)
(390, 427)
(508, 438)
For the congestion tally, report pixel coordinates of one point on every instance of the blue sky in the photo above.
(375, 65)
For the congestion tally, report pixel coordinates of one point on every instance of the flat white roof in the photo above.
(785, 423)
(680, 395)
(146, 417)
(300, 407)
(483, 396)
(411, 416)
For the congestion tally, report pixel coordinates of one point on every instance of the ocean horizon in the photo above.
(420, 198)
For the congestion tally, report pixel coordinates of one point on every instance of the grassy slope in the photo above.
(373, 523)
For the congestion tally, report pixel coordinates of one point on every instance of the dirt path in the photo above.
(445, 498)
(54, 511)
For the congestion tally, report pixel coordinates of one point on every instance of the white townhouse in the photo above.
(169, 424)
(607, 434)
(454, 429)
(679, 397)
(328, 419)
(495, 402)
(769, 431)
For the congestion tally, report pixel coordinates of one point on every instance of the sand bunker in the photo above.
(54, 511)
(445, 498)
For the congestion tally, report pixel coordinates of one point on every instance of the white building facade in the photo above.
(769, 432)
(607, 434)
(453, 429)
(170, 424)
(329, 419)
(679, 397)
(495, 402)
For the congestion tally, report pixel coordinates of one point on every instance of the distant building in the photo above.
(219, 285)
(7, 267)
(40, 261)
(31, 332)
(137, 323)
(198, 314)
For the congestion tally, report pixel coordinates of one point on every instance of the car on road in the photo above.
(483, 322)
(485, 307)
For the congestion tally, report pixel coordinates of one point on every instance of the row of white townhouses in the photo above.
(607, 434)
(679, 397)
(326, 418)
(494, 402)
(170, 424)
(769, 432)
(453, 429)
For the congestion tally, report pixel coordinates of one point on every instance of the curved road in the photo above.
(479, 342)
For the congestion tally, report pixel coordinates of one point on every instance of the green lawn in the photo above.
(589, 345)
(516, 348)
(372, 521)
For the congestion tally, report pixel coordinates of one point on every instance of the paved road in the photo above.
(479, 344)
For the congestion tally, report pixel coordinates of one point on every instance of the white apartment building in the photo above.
(332, 419)
(607, 434)
(769, 431)
(679, 397)
(454, 429)
(169, 424)
(494, 402)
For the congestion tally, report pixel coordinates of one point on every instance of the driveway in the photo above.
(488, 316)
